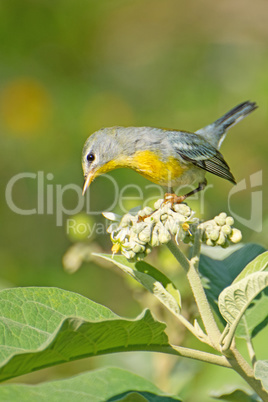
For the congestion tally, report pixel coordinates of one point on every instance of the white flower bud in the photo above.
(221, 239)
(138, 227)
(226, 229)
(126, 220)
(112, 227)
(214, 234)
(220, 219)
(145, 234)
(111, 216)
(149, 219)
(183, 209)
(145, 211)
(164, 236)
(164, 217)
(128, 254)
(158, 203)
(154, 242)
(171, 226)
(236, 236)
(229, 220)
(122, 234)
(209, 242)
(138, 248)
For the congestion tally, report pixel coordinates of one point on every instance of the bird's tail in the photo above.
(215, 133)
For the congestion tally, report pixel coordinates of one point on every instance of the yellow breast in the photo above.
(149, 164)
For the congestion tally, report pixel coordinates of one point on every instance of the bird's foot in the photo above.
(173, 198)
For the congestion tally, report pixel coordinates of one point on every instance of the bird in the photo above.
(167, 157)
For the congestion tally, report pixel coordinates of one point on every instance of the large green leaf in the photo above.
(220, 273)
(235, 299)
(256, 316)
(109, 384)
(152, 279)
(41, 327)
(261, 372)
(259, 264)
(237, 395)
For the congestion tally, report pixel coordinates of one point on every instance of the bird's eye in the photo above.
(90, 157)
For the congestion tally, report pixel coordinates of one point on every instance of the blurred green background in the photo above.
(68, 68)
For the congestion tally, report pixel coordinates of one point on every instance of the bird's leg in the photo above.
(177, 199)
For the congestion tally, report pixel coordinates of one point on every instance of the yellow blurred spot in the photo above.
(24, 107)
(106, 109)
(81, 227)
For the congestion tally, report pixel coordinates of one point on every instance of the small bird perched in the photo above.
(166, 157)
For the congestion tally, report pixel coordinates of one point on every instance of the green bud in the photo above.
(140, 256)
(148, 249)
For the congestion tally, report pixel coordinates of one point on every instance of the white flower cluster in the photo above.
(219, 231)
(135, 234)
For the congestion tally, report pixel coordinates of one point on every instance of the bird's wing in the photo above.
(198, 151)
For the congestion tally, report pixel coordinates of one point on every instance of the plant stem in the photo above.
(203, 304)
(193, 354)
(178, 254)
(201, 336)
(241, 366)
(191, 267)
(231, 358)
(251, 352)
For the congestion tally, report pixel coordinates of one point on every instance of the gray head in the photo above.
(100, 153)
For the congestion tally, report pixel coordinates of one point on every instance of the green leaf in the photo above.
(41, 327)
(220, 273)
(259, 264)
(152, 279)
(237, 395)
(109, 384)
(235, 299)
(261, 372)
(255, 317)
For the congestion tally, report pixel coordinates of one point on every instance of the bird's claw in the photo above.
(173, 198)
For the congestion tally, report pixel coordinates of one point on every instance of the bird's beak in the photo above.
(89, 179)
